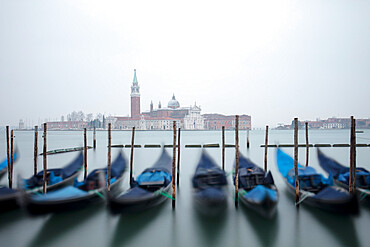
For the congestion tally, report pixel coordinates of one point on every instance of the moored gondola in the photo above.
(257, 189)
(314, 189)
(150, 188)
(56, 178)
(341, 175)
(81, 194)
(209, 183)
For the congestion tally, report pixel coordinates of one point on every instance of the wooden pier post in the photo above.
(236, 159)
(307, 145)
(85, 153)
(248, 139)
(45, 161)
(174, 166)
(8, 152)
(132, 155)
(223, 148)
(266, 143)
(11, 158)
(296, 161)
(35, 152)
(109, 156)
(94, 142)
(354, 156)
(178, 160)
(352, 169)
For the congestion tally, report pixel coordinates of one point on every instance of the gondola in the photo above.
(209, 184)
(4, 163)
(257, 189)
(10, 199)
(314, 189)
(81, 194)
(147, 191)
(341, 175)
(56, 178)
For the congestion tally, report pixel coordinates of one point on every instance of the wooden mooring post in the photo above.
(223, 148)
(296, 180)
(45, 160)
(236, 159)
(352, 170)
(248, 139)
(94, 142)
(307, 144)
(132, 155)
(85, 153)
(174, 166)
(11, 157)
(109, 156)
(266, 143)
(35, 152)
(178, 159)
(8, 152)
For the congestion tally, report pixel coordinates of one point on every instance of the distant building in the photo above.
(21, 124)
(161, 118)
(67, 125)
(332, 123)
(216, 121)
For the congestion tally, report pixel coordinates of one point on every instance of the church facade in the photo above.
(162, 118)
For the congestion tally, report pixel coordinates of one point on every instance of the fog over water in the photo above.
(273, 60)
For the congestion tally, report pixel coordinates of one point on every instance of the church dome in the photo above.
(173, 103)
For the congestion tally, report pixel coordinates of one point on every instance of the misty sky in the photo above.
(273, 60)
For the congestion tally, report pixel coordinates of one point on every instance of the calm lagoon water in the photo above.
(95, 226)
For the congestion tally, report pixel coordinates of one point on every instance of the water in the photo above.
(94, 226)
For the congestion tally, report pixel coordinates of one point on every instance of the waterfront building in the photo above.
(66, 125)
(161, 118)
(216, 121)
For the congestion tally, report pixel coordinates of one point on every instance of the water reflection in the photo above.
(130, 225)
(59, 225)
(340, 226)
(210, 226)
(11, 216)
(266, 229)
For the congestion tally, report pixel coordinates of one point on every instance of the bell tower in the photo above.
(135, 97)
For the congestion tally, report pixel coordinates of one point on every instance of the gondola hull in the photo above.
(344, 206)
(91, 190)
(66, 182)
(362, 194)
(266, 208)
(210, 206)
(118, 205)
(11, 202)
(332, 166)
(38, 207)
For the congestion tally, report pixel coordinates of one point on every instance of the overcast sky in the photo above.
(273, 60)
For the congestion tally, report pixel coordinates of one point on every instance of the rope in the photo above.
(364, 194)
(99, 194)
(304, 194)
(164, 193)
(242, 193)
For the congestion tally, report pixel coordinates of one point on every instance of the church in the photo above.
(162, 118)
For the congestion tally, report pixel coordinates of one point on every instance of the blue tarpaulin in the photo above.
(4, 163)
(307, 175)
(260, 192)
(61, 194)
(155, 176)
